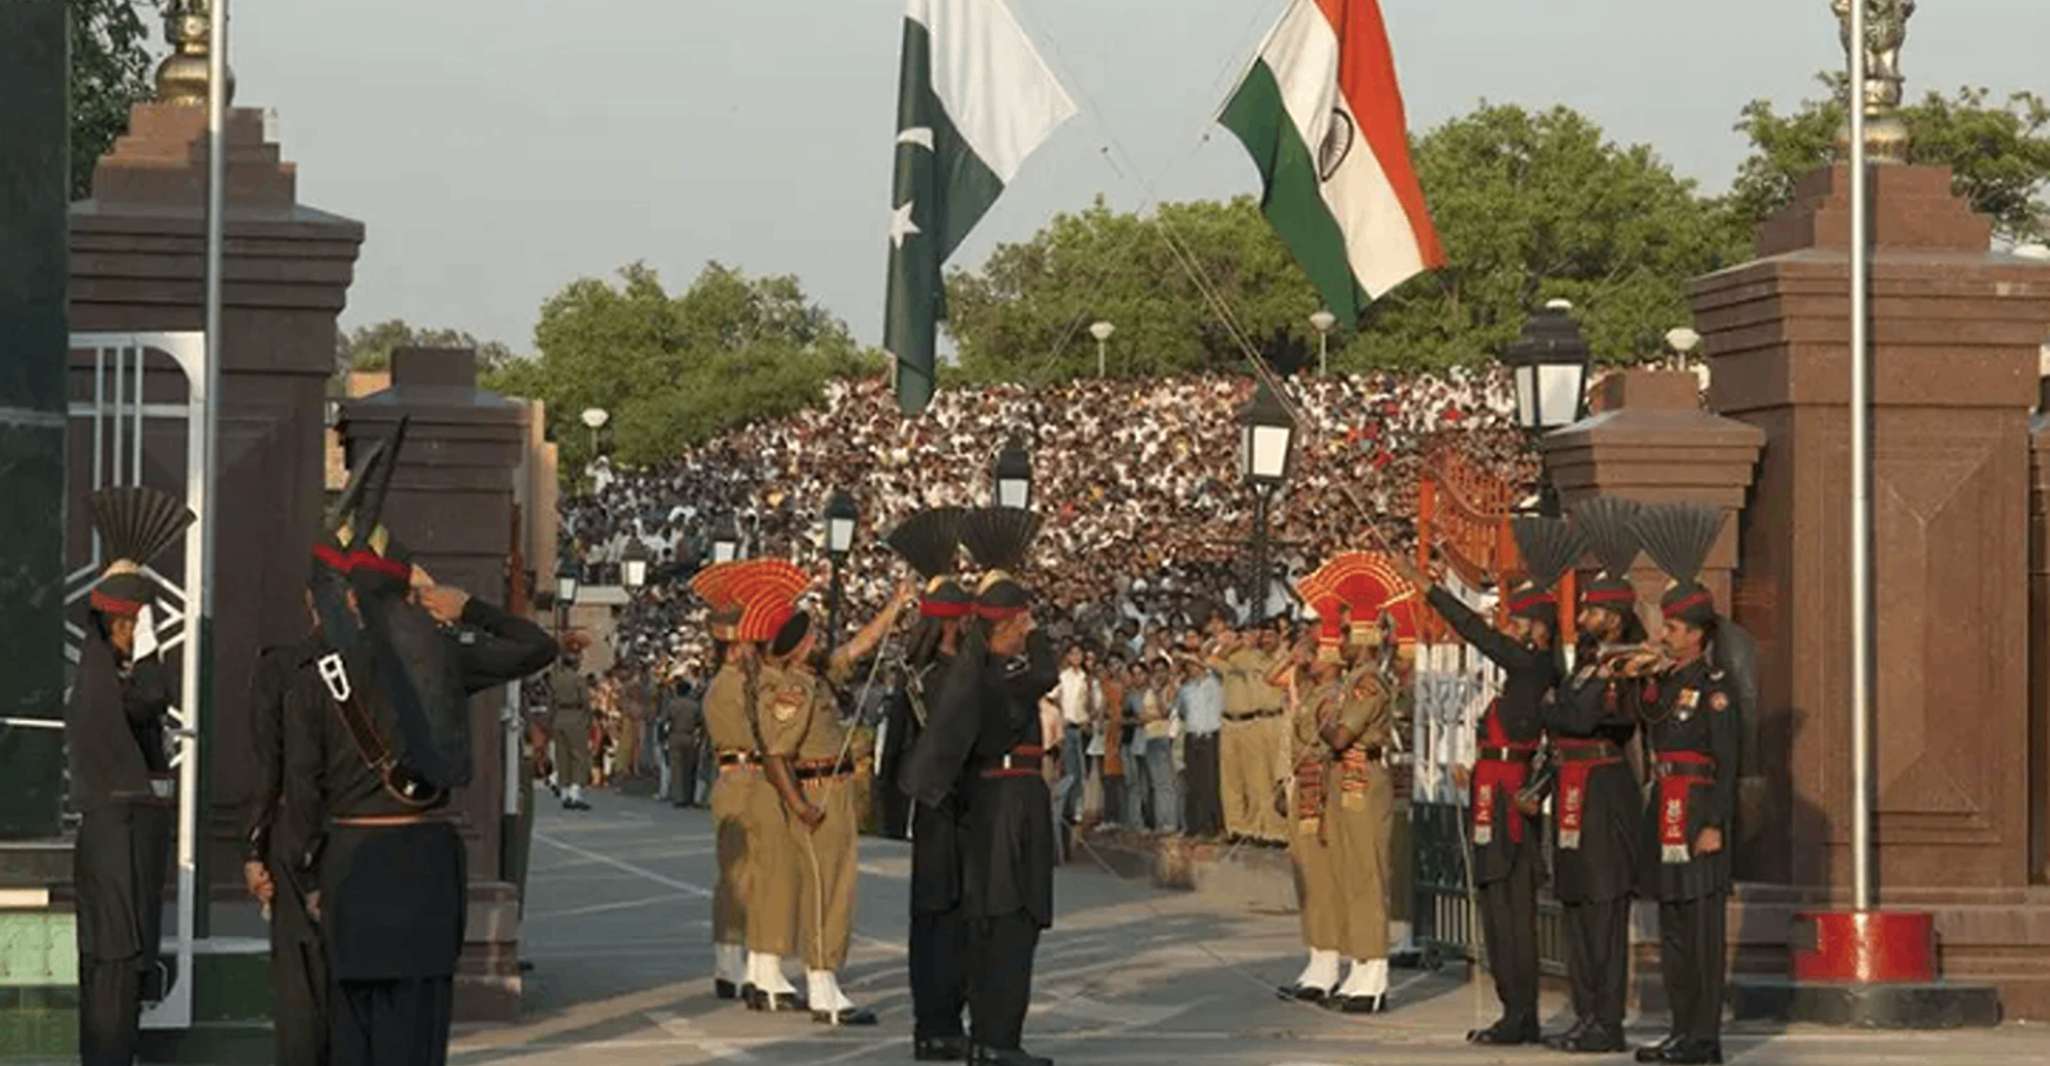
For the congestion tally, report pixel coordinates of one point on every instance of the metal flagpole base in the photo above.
(1868, 969)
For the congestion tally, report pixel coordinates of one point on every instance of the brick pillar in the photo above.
(1652, 442)
(1955, 333)
(2039, 650)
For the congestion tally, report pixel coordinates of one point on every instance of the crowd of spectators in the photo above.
(1147, 522)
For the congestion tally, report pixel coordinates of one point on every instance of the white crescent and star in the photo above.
(901, 226)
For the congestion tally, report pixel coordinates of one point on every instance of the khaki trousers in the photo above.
(826, 869)
(730, 802)
(1363, 827)
(1252, 760)
(1317, 891)
(771, 871)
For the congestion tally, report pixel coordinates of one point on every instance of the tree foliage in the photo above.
(675, 370)
(1531, 206)
(111, 64)
(370, 347)
(1999, 152)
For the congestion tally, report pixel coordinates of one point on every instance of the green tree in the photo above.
(370, 347)
(1531, 206)
(675, 370)
(1999, 152)
(110, 71)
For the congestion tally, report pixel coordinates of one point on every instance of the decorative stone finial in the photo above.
(1886, 29)
(181, 77)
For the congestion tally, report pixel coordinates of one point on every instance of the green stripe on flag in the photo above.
(947, 189)
(1292, 201)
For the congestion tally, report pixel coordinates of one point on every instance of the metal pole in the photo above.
(1861, 485)
(1102, 361)
(1257, 609)
(216, 228)
(1323, 355)
(833, 610)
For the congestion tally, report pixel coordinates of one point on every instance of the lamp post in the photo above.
(1683, 340)
(1549, 363)
(633, 566)
(594, 419)
(1013, 475)
(1266, 453)
(1102, 330)
(565, 594)
(725, 540)
(841, 519)
(1322, 321)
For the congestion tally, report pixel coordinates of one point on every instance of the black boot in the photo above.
(1657, 1052)
(1506, 1033)
(1306, 993)
(1696, 1053)
(1596, 1039)
(989, 1056)
(1558, 1041)
(724, 989)
(939, 1049)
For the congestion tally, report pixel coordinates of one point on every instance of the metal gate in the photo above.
(137, 379)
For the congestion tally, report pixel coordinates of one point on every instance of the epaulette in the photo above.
(1715, 675)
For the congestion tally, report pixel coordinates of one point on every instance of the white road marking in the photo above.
(601, 908)
(699, 891)
(689, 1032)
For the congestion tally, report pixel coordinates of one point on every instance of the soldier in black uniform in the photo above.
(1693, 736)
(929, 541)
(986, 720)
(298, 962)
(376, 737)
(1507, 866)
(1596, 804)
(120, 777)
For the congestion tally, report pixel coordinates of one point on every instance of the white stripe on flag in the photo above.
(991, 80)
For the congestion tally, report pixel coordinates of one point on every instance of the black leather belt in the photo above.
(739, 758)
(1589, 752)
(1665, 768)
(1507, 754)
(1252, 716)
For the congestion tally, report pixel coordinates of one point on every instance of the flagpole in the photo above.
(216, 226)
(1861, 482)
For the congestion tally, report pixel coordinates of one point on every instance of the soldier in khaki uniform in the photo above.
(1342, 807)
(754, 904)
(1252, 750)
(570, 699)
(809, 759)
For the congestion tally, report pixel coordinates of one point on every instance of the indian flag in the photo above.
(1321, 114)
(974, 98)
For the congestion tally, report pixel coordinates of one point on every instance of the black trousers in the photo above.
(1205, 793)
(1691, 962)
(1000, 957)
(393, 1023)
(1509, 920)
(1598, 959)
(939, 948)
(109, 1008)
(299, 983)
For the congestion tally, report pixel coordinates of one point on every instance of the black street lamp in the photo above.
(565, 593)
(1549, 363)
(633, 565)
(841, 518)
(725, 540)
(1013, 475)
(1266, 455)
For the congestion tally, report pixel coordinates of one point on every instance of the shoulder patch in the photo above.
(1715, 675)
(1719, 702)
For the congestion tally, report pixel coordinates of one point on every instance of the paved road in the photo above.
(620, 918)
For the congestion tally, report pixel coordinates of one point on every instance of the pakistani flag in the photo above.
(974, 100)
(1322, 115)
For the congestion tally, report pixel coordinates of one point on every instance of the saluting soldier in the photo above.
(1507, 867)
(809, 758)
(570, 697)
(376, 740)
(120, 776)
(929, 541)
(1595, 807)
(1692, 733)
(987, 722)
(1252, 748)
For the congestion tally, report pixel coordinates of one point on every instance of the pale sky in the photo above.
(498, 149)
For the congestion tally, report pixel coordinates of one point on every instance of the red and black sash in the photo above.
(1679, 773)
(1021, 761)
(1501, 772)
(1578, 756)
